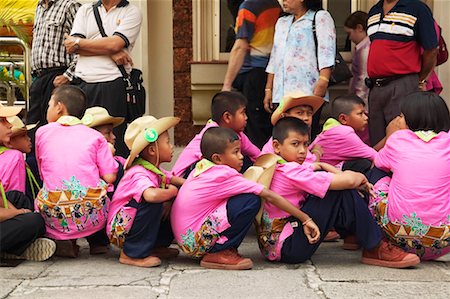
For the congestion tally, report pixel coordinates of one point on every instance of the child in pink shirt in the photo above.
(280, 237)
(303, 107)
(228, 111)
(417, 197)
(21, 142)
(76, 166)
(216, 205)
(338, 139)
(138, 217)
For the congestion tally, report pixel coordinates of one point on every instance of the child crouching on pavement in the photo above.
(216, 205)
(138, 219)
(76, 166)
(326, 197)
(228, 110)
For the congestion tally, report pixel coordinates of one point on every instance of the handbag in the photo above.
(340, 72)
(133, 82)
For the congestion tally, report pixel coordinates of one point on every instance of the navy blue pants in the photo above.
(148, 230)
(346, 211)
(241, 212)
(375, 174)
(359, 165)
(17, 233)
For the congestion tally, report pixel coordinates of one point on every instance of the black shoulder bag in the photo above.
(340, 72)
(133, 83)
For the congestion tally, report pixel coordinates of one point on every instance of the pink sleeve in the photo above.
(105, 160)
(354, 147)
(309, 181)
(248, 148)
(13, 176)
(383, 160)
(235, 184)
(142, 182)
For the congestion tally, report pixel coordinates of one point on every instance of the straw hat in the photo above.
(145, 130)
(99, 116)
(262, 172)
(7, 111)
(296, 99)
(18, 126)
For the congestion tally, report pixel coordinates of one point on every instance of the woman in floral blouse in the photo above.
(294, 64)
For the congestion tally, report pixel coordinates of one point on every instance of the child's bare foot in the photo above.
(165, 252)
(147, 262)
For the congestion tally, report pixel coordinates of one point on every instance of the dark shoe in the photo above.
(98, 249)
(388, 255)
(331, 236)
(165, 252)
(351, 243)
(228, 259)
(67, 248)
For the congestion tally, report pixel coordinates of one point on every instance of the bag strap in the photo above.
(98, 19)
(2, 191)
(316, 42)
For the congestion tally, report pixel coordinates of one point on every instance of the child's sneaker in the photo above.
(146, 262)
(98, 249)
(351, 243)
(40, 250)
(388, 255)
(165, 252)
(228, 259)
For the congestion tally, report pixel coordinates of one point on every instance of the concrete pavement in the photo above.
(332, 273)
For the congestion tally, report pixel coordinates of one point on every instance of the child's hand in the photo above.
(173, 189)
(167, 207)
(311, 231)
(368, 188)
(317, 150)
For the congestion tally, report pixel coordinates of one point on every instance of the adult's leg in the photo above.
(377, 101)
(110, 95)
(344, 210)
(259, 127)
(398, 89)
(241, 211)
(143, 235)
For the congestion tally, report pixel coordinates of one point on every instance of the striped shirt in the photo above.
(397, 38)
(50, 25)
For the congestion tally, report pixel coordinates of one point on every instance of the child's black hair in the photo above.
(345, 104)
(215, 140)
(72, 97)
(425, 111)
(289, 124)
(226, 101)
(357, 18)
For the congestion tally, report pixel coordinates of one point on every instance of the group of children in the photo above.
(207, 205)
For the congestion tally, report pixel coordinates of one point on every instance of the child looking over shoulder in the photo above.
(227, 111)
(338, 139)
(324, 197)
(138, 219)
(417, 197)
(76, 166)
(216, 205)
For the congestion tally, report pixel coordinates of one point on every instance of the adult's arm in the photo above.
(91, 47)
(237, 56)
(429, 58)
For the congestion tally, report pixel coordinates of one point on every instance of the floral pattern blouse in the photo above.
(293, 59)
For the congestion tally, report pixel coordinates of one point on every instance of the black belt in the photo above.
(42, 72)
(379, 82)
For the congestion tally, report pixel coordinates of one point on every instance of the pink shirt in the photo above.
(421, 177)
(132, 186)
(192, 153)
(204, 196)
(63, 152)
(340, 143)
(12, 170)
(294, 182)
(268, 149)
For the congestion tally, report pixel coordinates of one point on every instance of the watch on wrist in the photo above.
(77, 43)
(422, 82)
